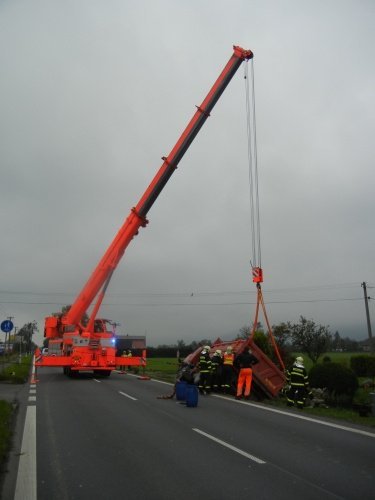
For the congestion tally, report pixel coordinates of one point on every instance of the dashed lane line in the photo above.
(127, 395)
(231, 447)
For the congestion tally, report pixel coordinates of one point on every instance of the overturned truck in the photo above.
(268, 379)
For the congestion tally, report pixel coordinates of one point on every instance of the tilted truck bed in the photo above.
(267, 377)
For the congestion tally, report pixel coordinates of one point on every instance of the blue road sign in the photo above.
(6, 326)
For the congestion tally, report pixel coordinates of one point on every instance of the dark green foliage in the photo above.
(327, 359)
(341, 382)
(363, 366)
(262, 341)
(371, 366)
(6, 413)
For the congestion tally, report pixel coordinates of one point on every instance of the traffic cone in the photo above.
(143, 376)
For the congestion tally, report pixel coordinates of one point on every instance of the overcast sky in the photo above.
(93, 94)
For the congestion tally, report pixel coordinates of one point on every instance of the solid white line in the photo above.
(161, 382)
(26, 476)
(127, 395)
(233, 448)
(302, 417)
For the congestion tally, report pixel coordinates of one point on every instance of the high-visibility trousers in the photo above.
(245, 377)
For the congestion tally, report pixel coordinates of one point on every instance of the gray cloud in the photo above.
(93, 94)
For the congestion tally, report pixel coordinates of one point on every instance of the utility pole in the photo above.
(367, 316)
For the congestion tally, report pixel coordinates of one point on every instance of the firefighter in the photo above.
(228, 360)
(123, 367)
(216, 370)
(298, 381)
(129, 355)
(204, 365)
(244, 363)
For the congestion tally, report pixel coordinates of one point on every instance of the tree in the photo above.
(282, 334)
(245, 331)
(180, 344)
(310, 338)
(26, 332)
(336, 342)
(262, 341)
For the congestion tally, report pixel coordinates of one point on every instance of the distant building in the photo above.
(132, 342)
(366, 345)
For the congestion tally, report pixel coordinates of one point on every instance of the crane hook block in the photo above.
(257, 274)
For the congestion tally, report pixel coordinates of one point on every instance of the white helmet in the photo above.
(299, 360)
(218, 351)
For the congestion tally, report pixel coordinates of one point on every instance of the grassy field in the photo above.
(162, 368)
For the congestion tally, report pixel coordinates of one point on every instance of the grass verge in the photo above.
(16, 372)
(6, 418)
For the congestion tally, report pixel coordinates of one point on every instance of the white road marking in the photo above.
(233, 448)
(32, 398)
(127, 395)
(302, 417)
(26, 475)
(96, 380)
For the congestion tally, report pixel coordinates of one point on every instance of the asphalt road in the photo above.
(112, 438)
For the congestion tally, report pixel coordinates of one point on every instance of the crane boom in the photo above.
(90, 346)
(137, 216)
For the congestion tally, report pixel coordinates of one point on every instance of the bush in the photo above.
(262, 341)
(341, 382)
(363, 366)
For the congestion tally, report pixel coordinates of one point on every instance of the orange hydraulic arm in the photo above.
(137, 217)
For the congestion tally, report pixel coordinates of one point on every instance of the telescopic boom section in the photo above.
(137, 216)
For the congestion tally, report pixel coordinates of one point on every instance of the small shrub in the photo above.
(359, 364)
(362, 397)
(326, 359)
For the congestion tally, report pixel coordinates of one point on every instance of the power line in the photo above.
(305, 288)
(190, 304)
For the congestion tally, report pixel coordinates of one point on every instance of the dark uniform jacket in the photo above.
(297, 377)
(246, 360)
(204, 362)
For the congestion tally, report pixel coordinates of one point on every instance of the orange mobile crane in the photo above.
(77, 346)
